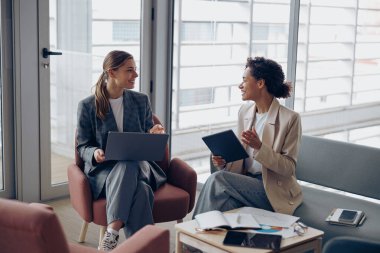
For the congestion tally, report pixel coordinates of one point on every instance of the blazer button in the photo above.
(291, 203)
(279, 183)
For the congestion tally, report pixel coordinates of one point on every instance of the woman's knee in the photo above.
(217, 176)
(129, 164)
(144, 190)
(126, 167)
(123, 173)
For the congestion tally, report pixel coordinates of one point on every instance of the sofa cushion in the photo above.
(344, 166)
(318, 204)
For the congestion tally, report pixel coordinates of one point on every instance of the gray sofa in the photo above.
(343, 166)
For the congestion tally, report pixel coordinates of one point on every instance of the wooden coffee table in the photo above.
(212, 241)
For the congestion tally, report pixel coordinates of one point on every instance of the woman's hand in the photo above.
(99, 155)
(218, 161)
(157, 129)
(251, 138)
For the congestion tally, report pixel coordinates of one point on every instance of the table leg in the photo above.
(318, 246)
(178, 243)
(314, 245)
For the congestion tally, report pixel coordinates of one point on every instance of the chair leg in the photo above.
(180, 221)
(83, 232)
(101, 233)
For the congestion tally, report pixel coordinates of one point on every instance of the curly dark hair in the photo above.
(273, 75)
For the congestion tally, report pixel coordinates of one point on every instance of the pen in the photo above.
(238, 219)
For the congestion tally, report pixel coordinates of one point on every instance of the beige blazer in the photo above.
(278, 154)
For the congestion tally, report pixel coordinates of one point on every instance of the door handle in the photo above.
(46, 53)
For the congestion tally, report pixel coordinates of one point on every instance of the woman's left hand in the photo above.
(157, 129)
(251, 138)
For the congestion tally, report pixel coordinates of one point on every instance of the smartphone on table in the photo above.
(253, 240)
(348, 216)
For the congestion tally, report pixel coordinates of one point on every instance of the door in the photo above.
(76, 35)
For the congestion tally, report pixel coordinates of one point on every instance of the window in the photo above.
(338, 70)
(126, 30)
(212, 40)
(99, 29)
(337, 87)
(196, 97)
(197, 31)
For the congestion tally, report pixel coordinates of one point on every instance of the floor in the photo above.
(72, 222)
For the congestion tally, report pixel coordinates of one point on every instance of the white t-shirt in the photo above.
(118, 111)
(252, 165)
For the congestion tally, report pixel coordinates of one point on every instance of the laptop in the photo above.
(226, 145)
(135, 146)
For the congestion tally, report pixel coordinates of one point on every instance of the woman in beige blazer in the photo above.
(271, 134)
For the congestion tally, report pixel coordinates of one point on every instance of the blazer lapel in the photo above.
(249, 120)
(110, 122)
(269, 128)
(128, 109)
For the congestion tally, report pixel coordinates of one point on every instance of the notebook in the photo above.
(226, 145)
(135, 146)
(213, 220)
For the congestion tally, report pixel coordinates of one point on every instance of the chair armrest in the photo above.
(180, 174)
(80, 192)
(42, 206)
(149, 239)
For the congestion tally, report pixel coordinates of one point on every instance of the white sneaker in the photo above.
(109, 241)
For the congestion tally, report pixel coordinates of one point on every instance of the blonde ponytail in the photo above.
(113, 60)
(101, 97)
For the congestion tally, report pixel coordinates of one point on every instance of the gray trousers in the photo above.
(225, 190)
(129, 195)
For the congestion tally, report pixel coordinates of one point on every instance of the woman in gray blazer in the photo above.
(127, 185)
(271, 134)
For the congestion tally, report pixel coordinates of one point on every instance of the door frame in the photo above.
(7, 120)
(48, 191)
(26, 115)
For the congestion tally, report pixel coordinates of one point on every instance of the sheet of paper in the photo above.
(284, 232)
(268, 218)
(242, 220)
(211, 219)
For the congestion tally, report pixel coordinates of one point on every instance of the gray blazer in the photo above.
(92, 134)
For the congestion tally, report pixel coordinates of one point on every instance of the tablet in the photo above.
(135, 146)
(226, 145)
(253, 240)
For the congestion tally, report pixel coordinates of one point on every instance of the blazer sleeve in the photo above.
(85, 136)
(283, 162)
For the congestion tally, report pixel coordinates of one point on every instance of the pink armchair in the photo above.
(36, 229)
(173, 201)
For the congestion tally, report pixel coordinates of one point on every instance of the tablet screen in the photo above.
(253, 240)
(226, 145)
